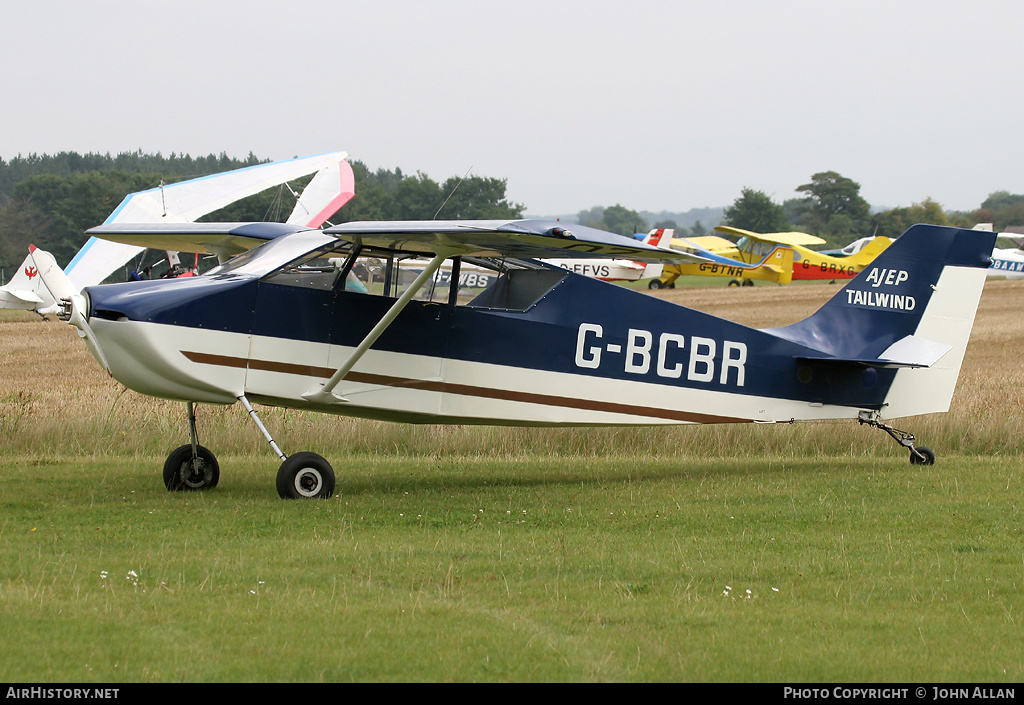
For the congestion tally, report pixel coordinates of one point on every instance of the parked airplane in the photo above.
(540, 346)
(331, 187)
(1007, 262)
(608, 270)
(807, 263)
(723, 261)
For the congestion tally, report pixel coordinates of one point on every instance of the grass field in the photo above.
(809, 553)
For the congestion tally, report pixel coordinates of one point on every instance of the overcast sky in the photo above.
(651, 105)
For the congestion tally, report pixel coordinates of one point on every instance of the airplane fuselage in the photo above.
(584, 352)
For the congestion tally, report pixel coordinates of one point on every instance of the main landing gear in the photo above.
(919, 455)
(193, 467)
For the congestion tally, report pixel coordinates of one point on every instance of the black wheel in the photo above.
(305, 476)
(655, 284)
(748, 282)
(734, 282)
(183, 473)
(928, 459)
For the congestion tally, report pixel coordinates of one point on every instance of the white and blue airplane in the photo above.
(1007, 262)
(332, 185)
(325, 320)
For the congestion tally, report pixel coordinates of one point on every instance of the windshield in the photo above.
(273, 254)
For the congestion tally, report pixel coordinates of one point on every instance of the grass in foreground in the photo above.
(544, 569)
(511, 554)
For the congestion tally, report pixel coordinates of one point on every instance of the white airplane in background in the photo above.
(1007, 262)
(186, 201)
(605, 269)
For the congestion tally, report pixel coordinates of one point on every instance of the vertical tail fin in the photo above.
(26, 290)
(655, 237)
(912, 307)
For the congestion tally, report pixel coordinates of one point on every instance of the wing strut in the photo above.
(326, 395)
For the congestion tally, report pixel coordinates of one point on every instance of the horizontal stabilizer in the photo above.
(910, 351)
(23, 296)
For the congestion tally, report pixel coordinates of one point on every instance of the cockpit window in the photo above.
(273, 254)
(478, 282)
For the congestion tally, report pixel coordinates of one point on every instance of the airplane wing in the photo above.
(536, 239)
(712, 243)
(224, 240)
(331, 188)
(189, 200)
(790, 238)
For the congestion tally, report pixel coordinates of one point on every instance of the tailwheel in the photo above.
(919, 455)
(305, 476)
(187, 471)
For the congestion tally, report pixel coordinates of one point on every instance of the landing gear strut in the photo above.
(919, 455)
(191, 467)
(302, 475)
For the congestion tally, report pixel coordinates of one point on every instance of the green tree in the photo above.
(75, 203)
(756, 211)
(477, 198)
(21, 225)
(614, 219)
(834, 208)
(417, 198)
(1002, 209)
(591, 216)
(621, 220)
(892, 223)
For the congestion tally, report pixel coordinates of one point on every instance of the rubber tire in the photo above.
(655, 284)
(177, 481)
(748, 282)
(305, 476)
(734, 282)
(929, 456)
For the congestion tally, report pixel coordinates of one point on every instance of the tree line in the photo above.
(51, 201)
(831, 207)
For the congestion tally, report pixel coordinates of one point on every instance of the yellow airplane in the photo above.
(775, 265)
(807, 263)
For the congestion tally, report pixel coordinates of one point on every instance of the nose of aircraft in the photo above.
(151, 339)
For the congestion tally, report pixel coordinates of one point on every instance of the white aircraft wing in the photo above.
(539, 239)
(331, 188)
(187, 201)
